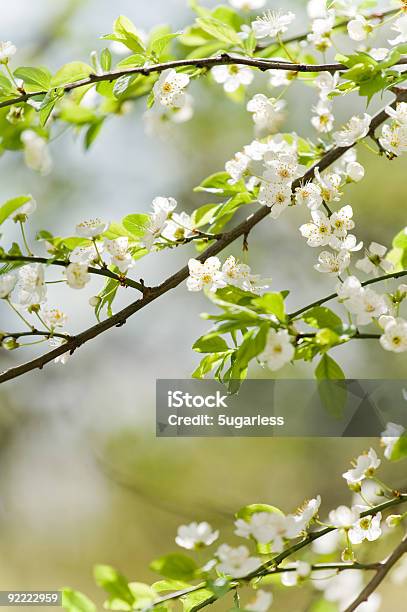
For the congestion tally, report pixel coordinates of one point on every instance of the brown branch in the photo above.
(151, 294)
(123, 280)
(206, 62)
(381, 574)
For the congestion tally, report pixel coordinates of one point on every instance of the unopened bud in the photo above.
(34, 308)
(394, 520)
(94, 301)
(348, 555)
(9, 344)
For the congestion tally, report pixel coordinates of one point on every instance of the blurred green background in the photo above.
(82, 477)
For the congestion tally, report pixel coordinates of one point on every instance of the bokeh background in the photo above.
(82, 477)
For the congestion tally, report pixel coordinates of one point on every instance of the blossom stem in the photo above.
(29, 252)
(19, 314)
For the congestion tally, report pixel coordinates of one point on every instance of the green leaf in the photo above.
(219, 30)
(143, 595)
(175, 566)
(252, 345)
(78, 115)
(163, 586)
(132, 61)
(271, 303)
(321, 317)
(206, 365)
(210, 343)
(113, 583)
(323, 606)
(6, 86)
(106, 60)
(9, 207)
(38, 77)
(125, 31)
(136, 224)
(74, 601)
(400, 448)
(329, 369)
(107, 296)
(219, 184)
(48, 104)
(190, 601)
(70, 73)
(159, 44)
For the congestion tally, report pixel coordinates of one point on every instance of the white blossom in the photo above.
(283, 169)
(179, 227)
(266, 528)
(326, 544)
(7, 284)
(356, 128)
(25, 210)
(36, 153)
(343, 517)
(278, 350)
(162, 209)
(232, 76)
(310, 195)
(394, 337)
(272, 23)
(366, 528)
(400, 26)
(275, 195)
(86, 254)
(238, 274)
(332, 263)
(321, 31)
(364, 467)
(120, 255)
(169, 89)
(390, 437)
(374, 259)
(367, 305)
(31, 285)
(343, 588)
(329, 183)
(355, 171)
(319, 232)
(302, 571)
(379, 53)
(267, 112)
(91, 228)
(394, 138)
(350, 288)
(247, 5)
(316, 9)
(359, 28)
(323, 120)
(7, 50)
(77, 275)
(196, 535)
(326, 82)
(53, 317)
(236, 562)
(348, 243)
(261, 603)
(279, 78)
(207, 275)
(398, 114)
(237, 166)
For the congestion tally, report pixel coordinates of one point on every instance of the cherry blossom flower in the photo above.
(31, 285)
(326, 83)
(261, 603)
(359, 28)
(53, 317)
(278, 350)
(196, 535)
(120, 255)
(247, 5)
(36, 154)
(179, 227)
(323, 120)
(316, 9)
(310, 195)
(302, 571)
(86, 254)
(267, 113)
(271, 24)
(321, 31)
(349, 243)
(343, 517)
(236, 562)
(374, 259)
(394, 337)
(400, 26)
(7, 284)
(162, 209)
(394, 139)
(91, 228)
(356, 128)
(364, 467)
(275, 195)
(77, 275)
(238, 274)
(169, 89)
(332, 263)
(367, 305)
(366, 528)
(267, 528)
(329, 183)
(25, 210)
(350, 288)
(237, 167)
(343, 588)
(319, 232)
(390, 437)
(327, 544)
(7, 50)
(283, 169)
(232, 76)
(207, 275)
(399, 114)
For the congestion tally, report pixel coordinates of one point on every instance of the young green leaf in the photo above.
(175, 566)
(9, 207)
(74, 601)
(113, 583)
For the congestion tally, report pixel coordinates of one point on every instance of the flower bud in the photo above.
(94, 301)
(34, 308)
(348, 555)
(9, 344)
(393, 520)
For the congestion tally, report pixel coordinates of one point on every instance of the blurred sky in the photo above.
(82, 478)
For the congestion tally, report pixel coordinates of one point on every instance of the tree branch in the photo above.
(123, 280)
(151, 294)
(332, 296)
(35, 332)
(206, 62)
(381, 574)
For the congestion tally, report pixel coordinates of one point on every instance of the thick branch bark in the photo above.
(151, 294)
